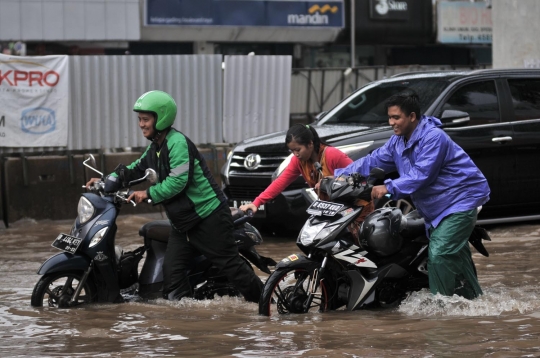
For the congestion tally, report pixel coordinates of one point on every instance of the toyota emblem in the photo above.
(252, 161)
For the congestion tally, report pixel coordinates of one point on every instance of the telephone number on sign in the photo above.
(484, 37)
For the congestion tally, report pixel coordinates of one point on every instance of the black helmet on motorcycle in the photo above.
(380, 232)
(161, 105)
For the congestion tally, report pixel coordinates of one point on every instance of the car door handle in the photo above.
(501, 139)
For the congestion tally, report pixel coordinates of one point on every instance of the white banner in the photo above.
(34, 99)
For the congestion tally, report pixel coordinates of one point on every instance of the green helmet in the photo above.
(161, 104)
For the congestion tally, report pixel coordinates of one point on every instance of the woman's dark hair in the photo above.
(303, 134)
(408, 101)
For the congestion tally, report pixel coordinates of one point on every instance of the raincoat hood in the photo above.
(424, 124)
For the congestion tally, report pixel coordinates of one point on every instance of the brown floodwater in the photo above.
(504, 322)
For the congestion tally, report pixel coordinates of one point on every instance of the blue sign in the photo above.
(277, 13)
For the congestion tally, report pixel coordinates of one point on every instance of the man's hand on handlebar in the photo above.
(91, 182)
(138, 196)
(378, 191)
(247, 207)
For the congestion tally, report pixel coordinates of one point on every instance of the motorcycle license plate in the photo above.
(326, 208)
(67, 243)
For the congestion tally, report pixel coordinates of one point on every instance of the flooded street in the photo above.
(504, 322)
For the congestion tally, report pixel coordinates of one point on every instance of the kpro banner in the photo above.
(34, 101)
(278, 13)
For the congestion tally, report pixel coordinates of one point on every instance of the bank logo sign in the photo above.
(324, 9)
(316, 16)
(274, 13)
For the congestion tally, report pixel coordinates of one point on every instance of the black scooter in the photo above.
(91, 268)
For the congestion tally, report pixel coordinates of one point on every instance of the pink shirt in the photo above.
(335, 159)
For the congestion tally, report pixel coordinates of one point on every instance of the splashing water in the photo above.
(494, 302)
(219, 303)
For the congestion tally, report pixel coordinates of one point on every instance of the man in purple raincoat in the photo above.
(443, 183)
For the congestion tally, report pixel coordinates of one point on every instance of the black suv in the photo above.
(494, 115)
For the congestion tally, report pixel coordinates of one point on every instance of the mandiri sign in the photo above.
(277, 13)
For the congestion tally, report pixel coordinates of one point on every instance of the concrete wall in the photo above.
(515, 33)
(49, 187)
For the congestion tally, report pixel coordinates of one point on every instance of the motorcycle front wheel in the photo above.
(57, 289)
(286, 291)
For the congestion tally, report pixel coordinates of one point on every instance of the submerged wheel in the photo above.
(56, 290)
(286, 291)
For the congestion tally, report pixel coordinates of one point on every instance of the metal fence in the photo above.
(256, 96)
(103, 90)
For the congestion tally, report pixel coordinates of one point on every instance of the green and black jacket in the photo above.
(185, 185)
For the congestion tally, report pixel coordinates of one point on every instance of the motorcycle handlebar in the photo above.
(148, 201)
(124, 198)
(99, 187)
(247, 215)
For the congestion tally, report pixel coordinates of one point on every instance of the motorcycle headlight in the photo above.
(310, 232)
(98, 236)
(325, 232)
(85, 209)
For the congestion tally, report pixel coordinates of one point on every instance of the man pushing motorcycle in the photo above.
(443, 183)
(197, 209)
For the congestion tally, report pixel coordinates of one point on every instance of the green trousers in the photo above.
(450, 266)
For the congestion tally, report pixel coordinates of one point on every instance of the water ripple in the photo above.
(494, 302)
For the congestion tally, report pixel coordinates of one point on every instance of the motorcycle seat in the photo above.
(158, 230)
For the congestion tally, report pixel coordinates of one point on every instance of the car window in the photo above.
(479, 100)
(366, 107)
(525, 98)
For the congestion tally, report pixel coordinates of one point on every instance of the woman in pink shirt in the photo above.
(304, 142)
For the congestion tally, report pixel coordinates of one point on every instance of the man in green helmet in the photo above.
(196, 207)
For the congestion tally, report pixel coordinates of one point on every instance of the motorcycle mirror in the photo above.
(92, 164)
(151, 175)
(377, 173)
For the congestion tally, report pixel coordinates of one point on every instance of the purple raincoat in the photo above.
(434, 171)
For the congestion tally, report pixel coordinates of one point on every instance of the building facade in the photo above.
(315, 33)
